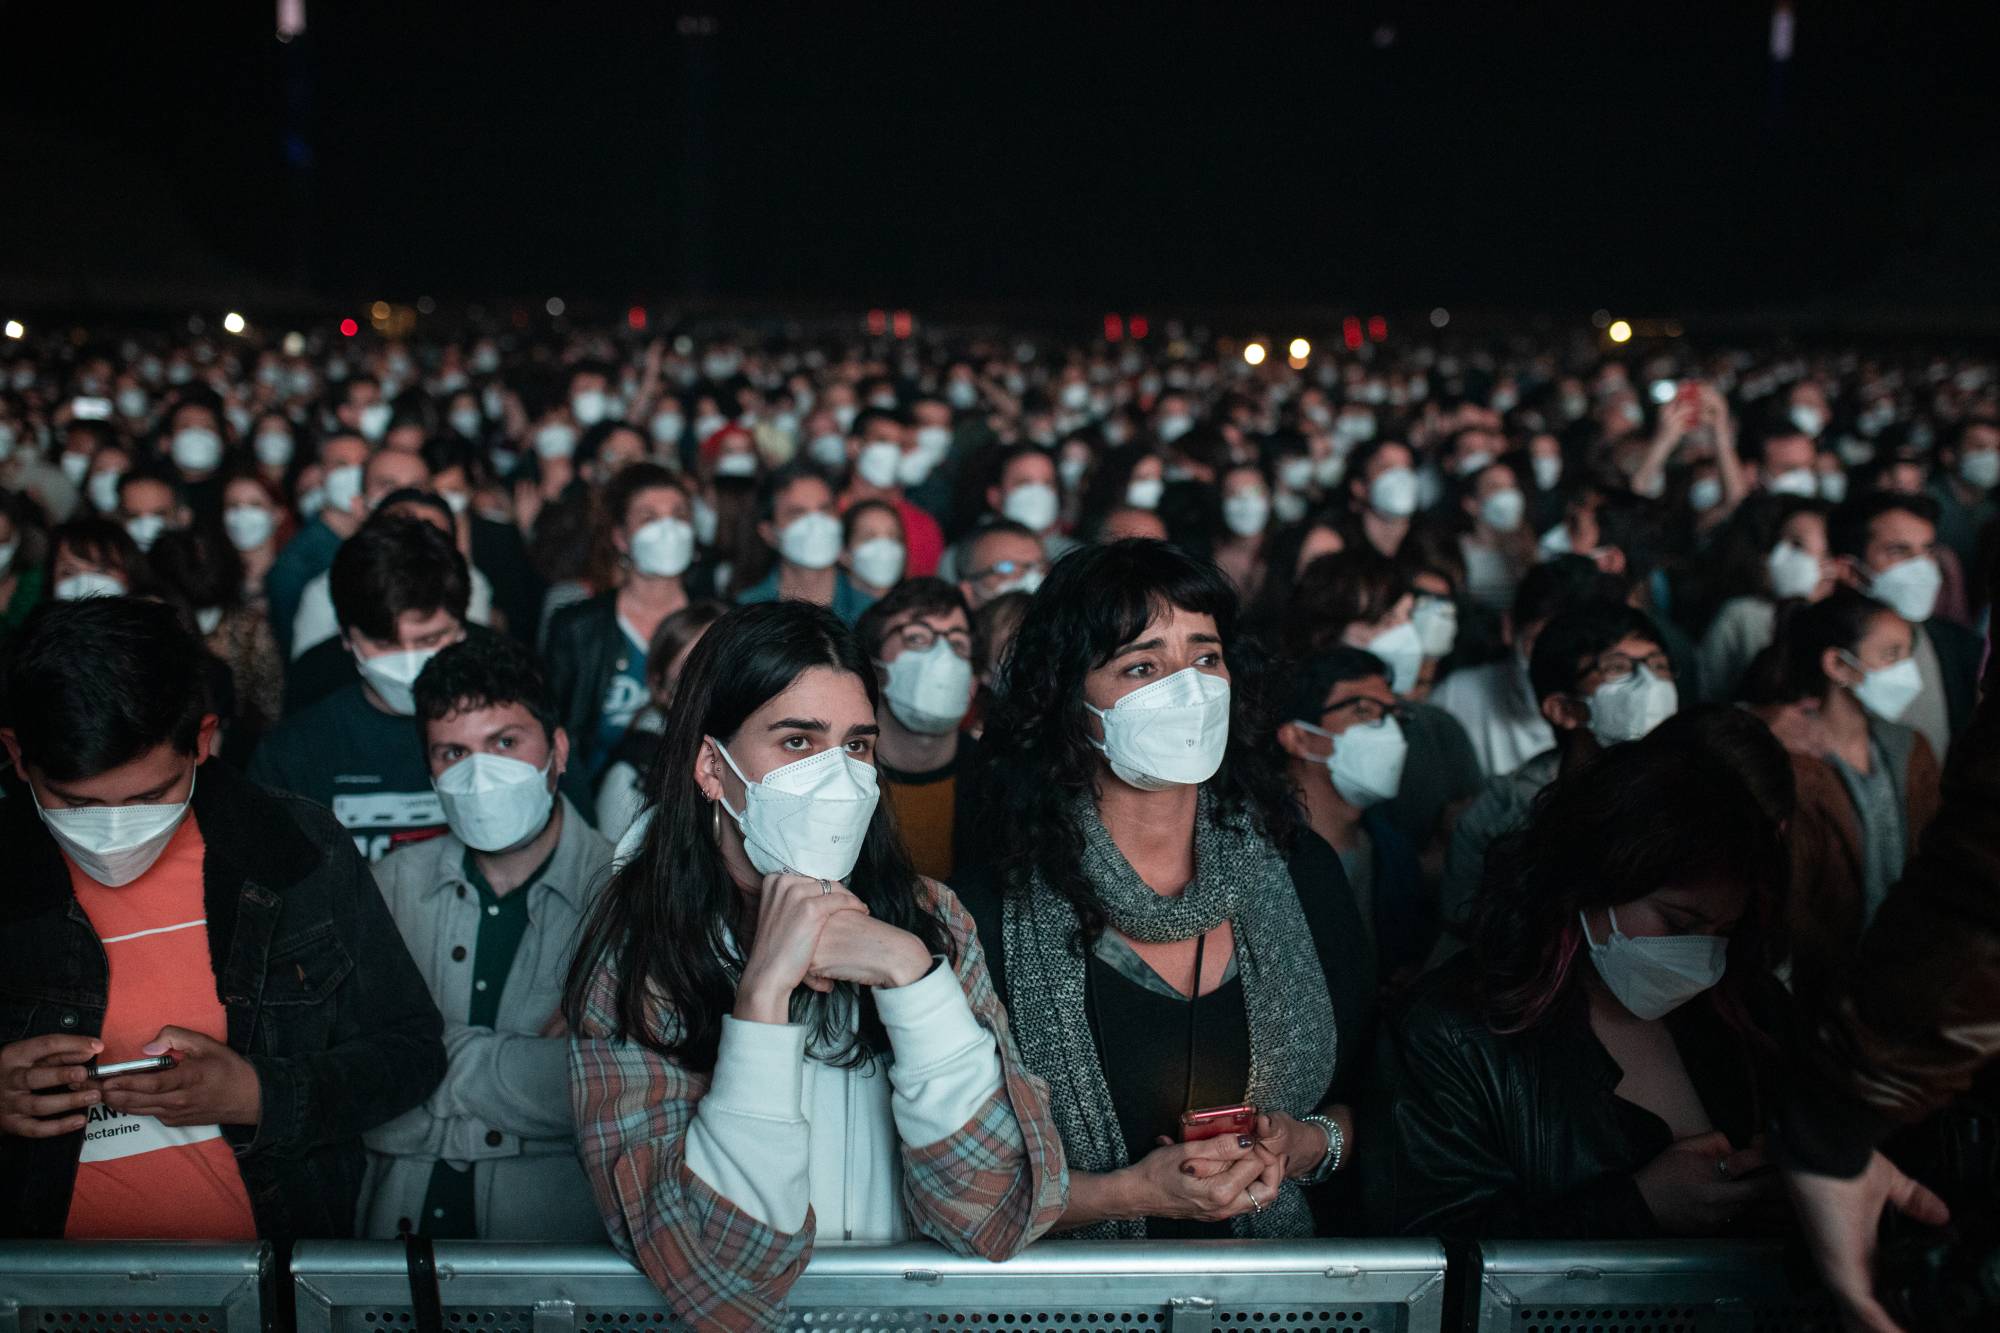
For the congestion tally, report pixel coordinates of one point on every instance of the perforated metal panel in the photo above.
(1694, 1287)
(1385, 1287)
(132, 1287)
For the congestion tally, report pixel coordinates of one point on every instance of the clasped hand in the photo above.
(814, 933)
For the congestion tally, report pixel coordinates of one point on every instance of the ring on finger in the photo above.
(1722, 1167)
(1256, 1204)
(825, 887)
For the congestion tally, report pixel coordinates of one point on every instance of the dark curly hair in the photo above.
(1041, 758)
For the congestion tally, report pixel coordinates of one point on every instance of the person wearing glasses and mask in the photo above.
(1617, 988)
(1603, 678)
(1164, 959)
(786, 1038)
(921, 635)
(1002, 557)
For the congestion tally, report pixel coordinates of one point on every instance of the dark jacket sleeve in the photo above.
(1923, 1012)
(386, 1052)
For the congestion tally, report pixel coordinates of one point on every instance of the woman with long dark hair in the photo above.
(1589, 1068)
(1161, 957)
(785, 1036)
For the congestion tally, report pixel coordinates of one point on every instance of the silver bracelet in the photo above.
(1336, 1149)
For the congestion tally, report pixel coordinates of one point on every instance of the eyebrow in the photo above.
(863, 729)
(799, 724)
(1144, 646)
(134, 798)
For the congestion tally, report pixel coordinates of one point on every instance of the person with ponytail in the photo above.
(785, 1037)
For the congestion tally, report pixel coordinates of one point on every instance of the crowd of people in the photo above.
(733, 793)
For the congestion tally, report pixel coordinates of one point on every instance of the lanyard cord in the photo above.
(1194, 996)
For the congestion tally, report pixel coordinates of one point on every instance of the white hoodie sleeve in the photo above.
(946, 1065)
(749, 1140)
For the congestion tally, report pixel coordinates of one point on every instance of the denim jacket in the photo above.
(321, 997)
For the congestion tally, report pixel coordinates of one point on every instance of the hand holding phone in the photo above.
(148, 1064)
(1215, 1121)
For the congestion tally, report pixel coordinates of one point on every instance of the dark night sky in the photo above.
(1544, 155)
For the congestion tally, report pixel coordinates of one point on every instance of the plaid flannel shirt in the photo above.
(987, 1190)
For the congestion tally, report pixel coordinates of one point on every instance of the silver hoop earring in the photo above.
(715, 820)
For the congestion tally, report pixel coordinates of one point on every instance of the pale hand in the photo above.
(1298, 1146)
(210, 1084)
(1211, 1180)
(42, 1085)
(1840, 1218)
(1696, 1187)
(856, 947)
(791, 912)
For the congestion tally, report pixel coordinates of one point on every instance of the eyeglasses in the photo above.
(917, 637)
(1617, 666)
(1366, 711)
(1005, 569)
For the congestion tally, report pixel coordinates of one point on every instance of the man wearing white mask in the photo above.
(797, 519)
(1024, 491)
(886, 458)
(400, 589)
(488, 910)
(1345, 751)
(1602, 677)
(310, 553)
(1382, 486)
(150, 502)
(1000, 558)
(920, 637)
(1786, 463)
(145, 886)
(1886, 544)
(1963, 485)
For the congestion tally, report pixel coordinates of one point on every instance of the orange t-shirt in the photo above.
(138, 1178)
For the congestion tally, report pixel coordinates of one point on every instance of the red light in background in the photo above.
(878, 323)
(1138, 326)
(1350, 332)
(1378, 328)
(901, 323)
(1114, 328)
(635, 318)
(348, 328)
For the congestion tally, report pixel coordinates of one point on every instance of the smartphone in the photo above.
(1214, 1122)
(151, 1064)
(91, 409)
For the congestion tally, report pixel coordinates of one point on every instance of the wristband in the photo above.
(1336, 1149)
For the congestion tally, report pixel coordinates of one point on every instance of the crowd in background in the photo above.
(1469, 755)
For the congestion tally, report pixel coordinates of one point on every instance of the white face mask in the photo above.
(1625, 710)
(1909, 588)
(1402, 651)
(706, 522)
(1172, 427)
(829, 450)
(342, 487)
(914, 467)
(196, 449)
(1793, 572)
(736, 465)
(132, 403)
(929, 691)
(75, 467)
(1800, 481)
(1393, 494)
(589, 407)
(1980, 469)
(1295, 474)
(1503, 511)
(1548, 471)
(1833, 487)
(1888, 691)
(1289, 508)
(1476, 461)
(1808, 419)
(933, 442)
(877, 463)
(1144, 492)
(248, 526)
(391, 675)
(494, 803)
(1653, 975)
(1028, 581)
(707, 425)
(810, 817)
(145, 530)
(467, 422)
(878, 562)
(1247, 512)
(962, 394)
(87, 583)
(1705, 494)
(1171, 733)
(311, 502)
(1436, 622)
(273, 448)
(663, 548)
(1367, 761)
(811, 541)
(375, 420)
(555, 440)
(115, 844)
(1034, 505)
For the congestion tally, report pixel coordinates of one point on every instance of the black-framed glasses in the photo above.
(917, 637)
(1618, 666)
(1366, 711)
(1005, 569)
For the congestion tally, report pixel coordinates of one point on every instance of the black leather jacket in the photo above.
(1475, 1134)
(321, 995)
(583, 649)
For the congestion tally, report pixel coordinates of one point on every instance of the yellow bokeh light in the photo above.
(1620, 331)
(16, 329)
(233, 322)
(1301, 349)
(379, 311)
(1254, 353)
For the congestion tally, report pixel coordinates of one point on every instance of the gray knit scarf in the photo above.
(1239, 878)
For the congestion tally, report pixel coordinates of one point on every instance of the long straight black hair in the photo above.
(658, 928)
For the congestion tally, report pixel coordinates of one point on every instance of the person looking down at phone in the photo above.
(1149, 821)
(784, 1037)
(1589, 1067)
(489, 910)
(158, 905)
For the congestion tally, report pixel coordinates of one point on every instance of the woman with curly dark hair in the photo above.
(1160, 956)
(1590, 1068)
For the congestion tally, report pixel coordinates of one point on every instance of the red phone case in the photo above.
(1212, 1122)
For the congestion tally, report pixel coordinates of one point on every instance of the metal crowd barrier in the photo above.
(1061, 1287)
(1666, 1287)
(134, 1287)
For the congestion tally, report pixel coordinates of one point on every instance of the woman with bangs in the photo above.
(1590, 1068)
(1161, 929)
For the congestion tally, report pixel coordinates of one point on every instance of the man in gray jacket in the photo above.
(490, 911)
